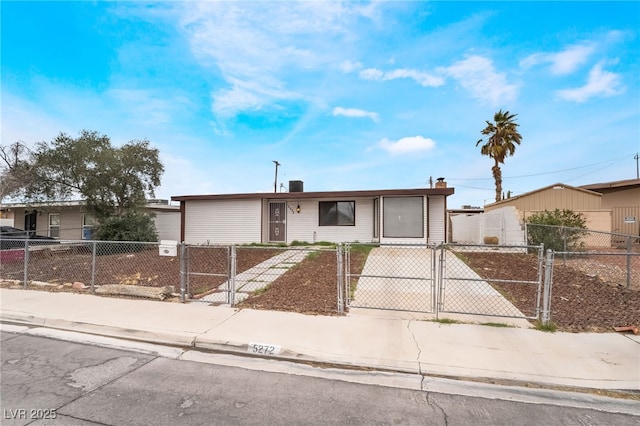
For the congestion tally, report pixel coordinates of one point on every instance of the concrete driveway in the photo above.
(406, 279)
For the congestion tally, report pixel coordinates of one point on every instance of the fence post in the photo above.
(441, 279)
(340, 282)
(231, 294)
(540, 278)
(93, 267)
(548, 282)
(25, 276)
(629, 261)
(183, 281)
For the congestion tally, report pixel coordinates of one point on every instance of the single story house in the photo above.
(379, 216)
(68, 220)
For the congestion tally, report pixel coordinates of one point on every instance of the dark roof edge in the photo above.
(614, 184)
(324, 194)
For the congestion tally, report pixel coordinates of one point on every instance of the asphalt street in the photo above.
(49, 381)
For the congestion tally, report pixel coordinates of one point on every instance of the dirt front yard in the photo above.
(580, 301)
(583, 299)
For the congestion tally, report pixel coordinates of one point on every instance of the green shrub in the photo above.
(132, 226)
(558, 230)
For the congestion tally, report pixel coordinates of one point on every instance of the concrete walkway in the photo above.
(464, 351)
(258, 277)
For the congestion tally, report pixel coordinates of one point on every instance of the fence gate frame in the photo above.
(347, 276)
(445, 277)
(441, 278)
(185, 272)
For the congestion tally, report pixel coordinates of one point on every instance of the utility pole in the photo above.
(275, 184)
(636, 157)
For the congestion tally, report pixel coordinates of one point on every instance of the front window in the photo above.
(54, 225)
(88, 225)
(337, 213)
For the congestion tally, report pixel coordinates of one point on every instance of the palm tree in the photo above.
(502, 139)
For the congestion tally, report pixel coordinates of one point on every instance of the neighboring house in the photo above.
(381, 216)
(559, 196)
(612, 207)
(623, 198)
(68, 220)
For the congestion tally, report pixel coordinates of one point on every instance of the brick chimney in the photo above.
(440, 183)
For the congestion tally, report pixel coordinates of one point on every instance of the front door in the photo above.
(30, 222)
(277, 222)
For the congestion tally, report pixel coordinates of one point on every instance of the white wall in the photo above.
(304, 226)
(167, 225)
(466, 228)
(437, 219)
(222, 222)
(503, 223)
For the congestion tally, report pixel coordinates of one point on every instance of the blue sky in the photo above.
(345, 95)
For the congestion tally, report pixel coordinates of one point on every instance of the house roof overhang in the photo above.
(322, 194)
(618, 184)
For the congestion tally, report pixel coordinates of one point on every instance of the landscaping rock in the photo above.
(159, 293)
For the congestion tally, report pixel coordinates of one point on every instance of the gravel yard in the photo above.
(589, 293)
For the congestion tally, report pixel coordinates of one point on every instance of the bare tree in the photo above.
(15, 169)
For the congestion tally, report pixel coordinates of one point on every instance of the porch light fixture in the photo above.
(298, 208)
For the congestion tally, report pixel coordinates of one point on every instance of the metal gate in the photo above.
(206, 273)
(430, 279)
(461, 290)
(398, 277)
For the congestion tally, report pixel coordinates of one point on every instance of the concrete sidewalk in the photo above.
(585, 360)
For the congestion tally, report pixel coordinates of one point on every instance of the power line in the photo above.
(612, 161)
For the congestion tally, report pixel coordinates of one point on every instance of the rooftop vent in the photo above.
(296, 186)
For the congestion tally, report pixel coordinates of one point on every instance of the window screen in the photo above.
(403, 217)
(337, 213)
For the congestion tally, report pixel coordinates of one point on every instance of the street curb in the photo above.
(204, 343)
(183, 339)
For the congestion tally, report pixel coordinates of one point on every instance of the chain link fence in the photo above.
(613, 258)
(593, 285)
(399, 277)
(127, 269)
(474, 281)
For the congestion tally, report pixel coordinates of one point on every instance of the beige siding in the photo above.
(621, 198)
(70, 224)
(222, 222)
(551, 199)
(598, 220)
(304, 226)
(622, 226)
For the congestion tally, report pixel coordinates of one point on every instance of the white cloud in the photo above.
(563, 62)
(407, 145)
(600, 83)
(263, 43)
(371, 74)
(478, 75)
(422, 78)
(357, 113)
(349, 66)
